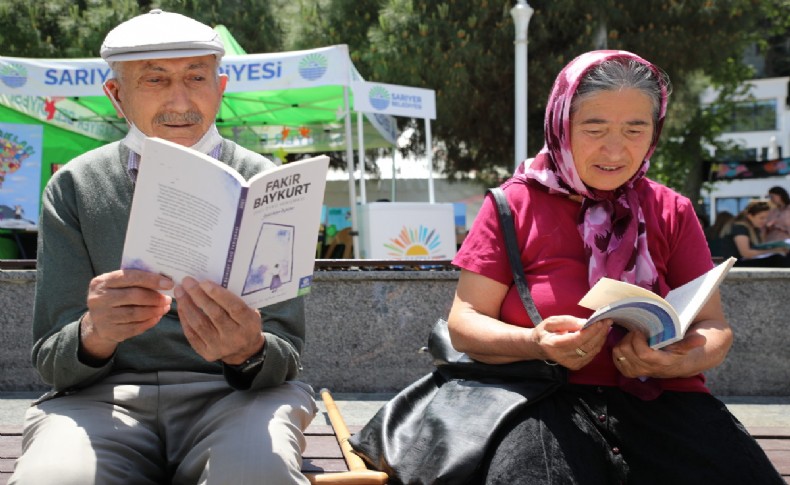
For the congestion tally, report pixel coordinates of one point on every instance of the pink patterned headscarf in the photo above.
(611, 223)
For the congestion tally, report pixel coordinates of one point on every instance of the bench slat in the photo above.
(774, 444)
(322, 447)
(324, 455)
(781, 461)
(6, 466)
(329, 465)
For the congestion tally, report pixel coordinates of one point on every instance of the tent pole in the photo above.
(352, 190)
(363, 198)
(429, 154)
(392, 189)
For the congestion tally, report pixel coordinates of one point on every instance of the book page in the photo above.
(275, 251)
(634, 308)
(689, 299)
(183, 212)
(607, 291)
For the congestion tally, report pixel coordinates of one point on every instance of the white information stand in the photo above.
(407, 230)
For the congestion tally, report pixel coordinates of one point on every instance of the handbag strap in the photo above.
(513, 253)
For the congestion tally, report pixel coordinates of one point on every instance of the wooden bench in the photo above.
(324, 458)
(327, 458)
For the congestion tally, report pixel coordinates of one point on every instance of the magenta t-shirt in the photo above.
(555, 263)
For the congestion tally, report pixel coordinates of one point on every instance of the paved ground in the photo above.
(357, 409)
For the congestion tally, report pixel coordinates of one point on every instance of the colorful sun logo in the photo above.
(411, 243)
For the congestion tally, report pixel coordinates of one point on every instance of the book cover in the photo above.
(782, 244)
(195, 216)
(662, 320)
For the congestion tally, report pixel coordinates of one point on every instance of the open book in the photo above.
(195, 216)
(662, 320)
(783, 243)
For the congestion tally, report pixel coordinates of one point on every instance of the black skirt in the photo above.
(591, 435)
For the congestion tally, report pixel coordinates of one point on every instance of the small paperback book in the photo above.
(662, 320)
(195, 216)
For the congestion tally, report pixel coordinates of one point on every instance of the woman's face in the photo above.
(758, 220)
(611, 133)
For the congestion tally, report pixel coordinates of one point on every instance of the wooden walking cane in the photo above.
(358, 473)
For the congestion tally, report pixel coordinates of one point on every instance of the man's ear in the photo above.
(111, 88)
(223, 82)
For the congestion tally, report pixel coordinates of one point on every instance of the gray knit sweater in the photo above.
(82, 229)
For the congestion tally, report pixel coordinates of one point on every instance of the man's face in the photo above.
(175, 99)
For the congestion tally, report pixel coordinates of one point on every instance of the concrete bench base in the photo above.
(365, 330)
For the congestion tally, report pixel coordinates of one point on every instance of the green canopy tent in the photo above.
(60, 145)
(290, 102)
(293, 117)
(17, 236)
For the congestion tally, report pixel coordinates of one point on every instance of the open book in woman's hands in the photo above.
(662, 320)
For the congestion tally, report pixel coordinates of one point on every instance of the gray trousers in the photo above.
(167, 428)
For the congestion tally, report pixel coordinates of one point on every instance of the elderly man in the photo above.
(147, 390)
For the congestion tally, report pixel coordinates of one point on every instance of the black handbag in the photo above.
(437, 430)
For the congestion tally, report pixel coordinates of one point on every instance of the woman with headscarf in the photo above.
(584, 210)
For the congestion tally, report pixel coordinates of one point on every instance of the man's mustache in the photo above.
(190, 117)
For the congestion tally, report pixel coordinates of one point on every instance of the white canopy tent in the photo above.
(266, 94)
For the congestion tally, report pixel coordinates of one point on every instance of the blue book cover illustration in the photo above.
(662, 320)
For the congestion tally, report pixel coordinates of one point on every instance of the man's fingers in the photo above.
(127, 297)
(232, 306)
(126, 278)
(197, 327)
(222, 307)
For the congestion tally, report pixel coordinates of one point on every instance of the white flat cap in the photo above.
(160, 35)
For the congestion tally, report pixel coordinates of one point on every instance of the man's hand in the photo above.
(217, 323)
(121, 305)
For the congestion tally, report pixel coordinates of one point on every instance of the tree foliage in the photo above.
(776, 41)
(65, 28)
(464, 51)
(59, 28)
(337, 22)
(255, 24)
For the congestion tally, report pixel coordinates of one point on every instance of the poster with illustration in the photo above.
(271, 265)
(20, 175)
(337, 219)
(407, 230)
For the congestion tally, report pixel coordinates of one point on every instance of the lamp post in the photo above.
(521, 13)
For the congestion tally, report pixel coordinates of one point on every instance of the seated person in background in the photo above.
(716, 233)
(745, 237)
(585, 210)
(777, 227)
(148, 390)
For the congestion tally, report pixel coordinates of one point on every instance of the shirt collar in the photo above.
(133, 161)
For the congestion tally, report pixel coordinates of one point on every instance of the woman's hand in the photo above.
(561, 339)
(634, 358)
(475, 328)
(704, 346)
